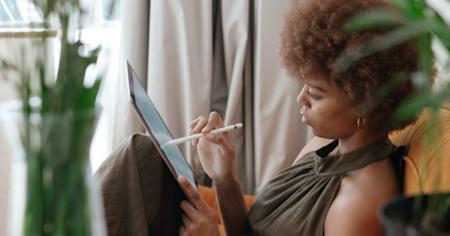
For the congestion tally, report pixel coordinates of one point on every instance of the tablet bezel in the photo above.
(162, 153)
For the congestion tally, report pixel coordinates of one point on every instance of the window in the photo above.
(111, 9)
(17, 13)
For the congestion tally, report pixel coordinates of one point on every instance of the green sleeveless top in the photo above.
(296, 201)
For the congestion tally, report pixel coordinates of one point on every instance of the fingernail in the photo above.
(209, 136)
(182, 179)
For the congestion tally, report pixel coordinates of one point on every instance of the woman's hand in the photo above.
(216, 152)
(198, 217)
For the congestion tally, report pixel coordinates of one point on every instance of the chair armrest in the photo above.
(209, 195)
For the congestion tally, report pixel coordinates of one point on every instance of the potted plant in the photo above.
(416, 21)
(53, 125)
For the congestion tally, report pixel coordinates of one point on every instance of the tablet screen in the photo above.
(158, 128)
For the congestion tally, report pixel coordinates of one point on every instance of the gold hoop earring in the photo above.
(360, 122)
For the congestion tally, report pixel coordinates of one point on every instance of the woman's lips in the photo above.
(305, 120)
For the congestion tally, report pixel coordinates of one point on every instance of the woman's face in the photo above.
(326, 110)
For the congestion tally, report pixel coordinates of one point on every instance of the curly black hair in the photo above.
(312, 39)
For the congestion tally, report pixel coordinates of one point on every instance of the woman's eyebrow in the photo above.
(321, 89)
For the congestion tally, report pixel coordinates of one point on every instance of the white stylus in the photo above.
(199, 135)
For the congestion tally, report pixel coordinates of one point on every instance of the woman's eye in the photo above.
(312, 95)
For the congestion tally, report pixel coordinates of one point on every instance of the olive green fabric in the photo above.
(296, 202)
(140, 195)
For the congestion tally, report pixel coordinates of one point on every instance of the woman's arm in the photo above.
(231, 205)
(217, 155)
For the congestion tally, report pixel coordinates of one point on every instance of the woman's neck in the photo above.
(357, 140)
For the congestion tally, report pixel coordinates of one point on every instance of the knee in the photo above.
(140, 143)
(139, 140)
(142, 149)
(133, 150)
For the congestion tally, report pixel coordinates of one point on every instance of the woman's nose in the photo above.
(302, 98)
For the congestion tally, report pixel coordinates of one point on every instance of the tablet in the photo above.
(156, 128)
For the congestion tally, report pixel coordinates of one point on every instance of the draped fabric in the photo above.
(201, 56)
(296, 202)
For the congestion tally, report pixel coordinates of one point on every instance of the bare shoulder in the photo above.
(312, 145)
(355, 208)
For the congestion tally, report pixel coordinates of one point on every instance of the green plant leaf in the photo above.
(372, 18)
(424, 99)
(426, 56)
(412, 107)
(384, 92)
(411, 9)
(390, 39)
(442, 31)
(87, 97)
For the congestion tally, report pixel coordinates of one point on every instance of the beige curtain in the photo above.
(198, 56)
(279, 133)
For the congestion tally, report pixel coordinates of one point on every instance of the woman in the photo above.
(334, 187)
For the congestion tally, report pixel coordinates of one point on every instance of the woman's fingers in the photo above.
(219, 139)
(193, 196)
(182, 230)
(206, 125)
(227, 149)
(225, 145)
(186, 220)
(198, 223)
(214, 122)
(194, 122)
(197, 127)
(189, 211)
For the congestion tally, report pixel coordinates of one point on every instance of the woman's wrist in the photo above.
(226, 180)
